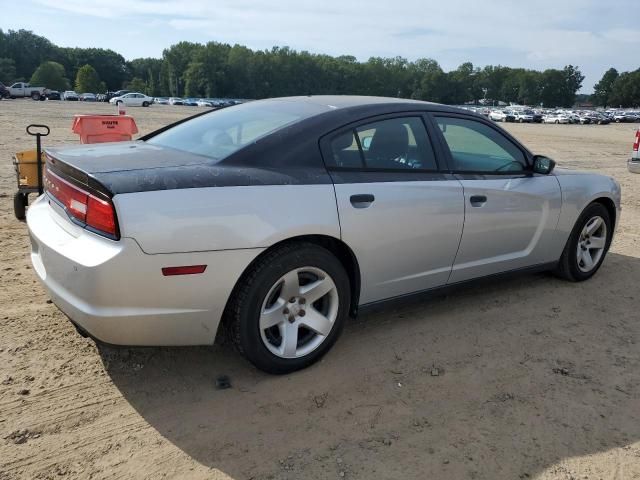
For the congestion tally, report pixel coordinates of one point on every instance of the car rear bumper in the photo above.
(633, 165)
(118, 294)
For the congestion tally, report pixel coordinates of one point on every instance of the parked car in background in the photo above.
(54, 95)
(22, 90)
(201, 102)
(133, 99)
(556, 118)
(333, 187)
(161, 100)
(4, 91)
(523, 116)
(101, 97)
(190, 102)
(88, 97)
(634, 162)
(623, 117)
(70, 96)
(502, 116)
(176, 101)
(118, 93)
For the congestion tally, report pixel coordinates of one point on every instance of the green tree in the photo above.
(50, 75)
(137, 85)
(603, 89)
(626, 90)
(7, 71)
(87, 80)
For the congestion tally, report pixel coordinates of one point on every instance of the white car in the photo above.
(204, 103)
(523, 117)
(70, 95)
(133, 99)
(556, 118)
(280, 218)
(501, 116)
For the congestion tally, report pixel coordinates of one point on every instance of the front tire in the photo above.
(587, 245)
(290, 307)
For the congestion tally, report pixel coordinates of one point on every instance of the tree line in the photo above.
(222, 70)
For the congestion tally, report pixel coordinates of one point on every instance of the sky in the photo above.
(592, 34)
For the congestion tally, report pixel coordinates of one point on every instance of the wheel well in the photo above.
(609, 205)
(340, 249)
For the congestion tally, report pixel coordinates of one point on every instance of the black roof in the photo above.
(337, 102)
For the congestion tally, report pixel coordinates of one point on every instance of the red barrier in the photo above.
(104, 128)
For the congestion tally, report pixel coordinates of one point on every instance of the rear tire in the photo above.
(20, 202)
(270, 309)
(145, 104)
(592, 228)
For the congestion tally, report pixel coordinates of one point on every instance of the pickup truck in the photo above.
(21, 89)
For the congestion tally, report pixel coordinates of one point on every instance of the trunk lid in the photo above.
(122, 156)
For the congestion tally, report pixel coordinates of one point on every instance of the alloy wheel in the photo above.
(591, 244)
(298, 312)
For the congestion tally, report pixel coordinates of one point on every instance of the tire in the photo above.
(35, 95)
(261, 291)
(557, 122)
(20, 202)
(145, 104)
(118, 102)
(571, 267)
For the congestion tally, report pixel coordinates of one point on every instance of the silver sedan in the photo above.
(279, 219)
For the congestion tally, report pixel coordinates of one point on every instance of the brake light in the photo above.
(636, 144)
(85, 208)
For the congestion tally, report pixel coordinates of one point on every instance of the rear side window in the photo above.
(219, 134)
(393, 144)
(476, 147)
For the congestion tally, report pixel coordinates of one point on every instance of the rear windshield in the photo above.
(219, 134)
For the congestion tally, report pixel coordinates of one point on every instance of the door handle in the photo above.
(478, 200)
(362, 200)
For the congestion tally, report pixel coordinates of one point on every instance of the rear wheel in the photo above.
(20, 202)
(145, 104)
(35, 95)
(587, 245)
(290, 308)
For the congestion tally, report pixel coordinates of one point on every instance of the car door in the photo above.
(400, 215)
(510, 213)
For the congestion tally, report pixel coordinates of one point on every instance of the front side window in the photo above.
(393, 144)
(476, 147)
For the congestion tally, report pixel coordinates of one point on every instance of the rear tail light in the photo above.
(82, 207)
(636, 144)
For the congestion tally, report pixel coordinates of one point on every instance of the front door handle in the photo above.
(362, 200)
(478, 200)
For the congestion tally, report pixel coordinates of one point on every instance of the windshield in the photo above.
(219, 134)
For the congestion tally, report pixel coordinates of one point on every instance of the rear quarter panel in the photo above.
(226, 218)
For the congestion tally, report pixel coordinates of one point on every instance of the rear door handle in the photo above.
(362, 200)
(478, 200)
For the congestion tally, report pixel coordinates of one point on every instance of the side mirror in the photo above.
(543, 165)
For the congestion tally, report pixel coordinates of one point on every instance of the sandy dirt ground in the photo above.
(536, 378)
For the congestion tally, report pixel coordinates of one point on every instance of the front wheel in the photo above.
(587, 245)
(290, 308)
